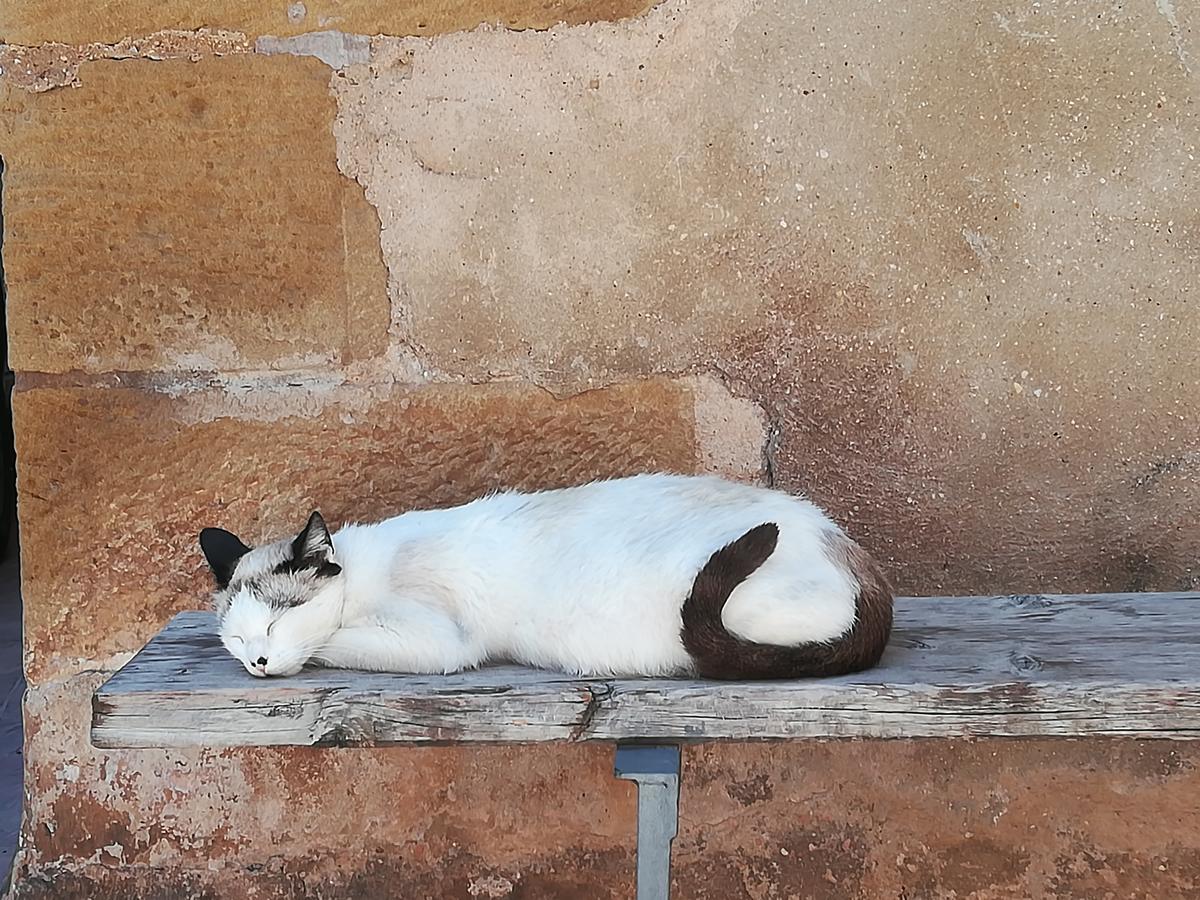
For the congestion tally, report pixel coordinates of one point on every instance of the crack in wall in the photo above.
(1166, 9)
(53, 65)
(770, 451)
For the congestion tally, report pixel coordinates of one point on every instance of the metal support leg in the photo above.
(655, 770)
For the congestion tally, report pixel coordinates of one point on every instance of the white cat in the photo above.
(648, 575)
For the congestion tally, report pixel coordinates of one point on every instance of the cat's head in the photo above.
(278, 604)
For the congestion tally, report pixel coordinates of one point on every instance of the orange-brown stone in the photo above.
(186, 215)
(115, 483)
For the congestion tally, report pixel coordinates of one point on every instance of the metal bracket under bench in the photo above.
(1007, 666)
(655, 771)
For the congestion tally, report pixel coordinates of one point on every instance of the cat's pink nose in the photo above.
(261, 663)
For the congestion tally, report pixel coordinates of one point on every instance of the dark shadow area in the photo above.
(12, 681)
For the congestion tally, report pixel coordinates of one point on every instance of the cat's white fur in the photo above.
(586, 580)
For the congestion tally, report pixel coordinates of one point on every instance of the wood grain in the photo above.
(1011, 666)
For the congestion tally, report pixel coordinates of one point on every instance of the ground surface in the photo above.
(12, 686)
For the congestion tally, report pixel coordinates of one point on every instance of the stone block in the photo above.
(186, 216)
(116, 482)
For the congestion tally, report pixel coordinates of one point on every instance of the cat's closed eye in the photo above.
(235, 637)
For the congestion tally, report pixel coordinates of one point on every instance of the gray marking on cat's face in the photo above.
(281, 575)
(276, 604)
(259, 572)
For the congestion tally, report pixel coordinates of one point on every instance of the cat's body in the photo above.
(618, 577)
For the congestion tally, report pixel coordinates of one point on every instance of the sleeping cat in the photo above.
(648, 575)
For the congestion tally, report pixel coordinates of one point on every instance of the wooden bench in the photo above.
(1010, 666)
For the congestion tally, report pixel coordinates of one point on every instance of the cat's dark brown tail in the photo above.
(717, 653)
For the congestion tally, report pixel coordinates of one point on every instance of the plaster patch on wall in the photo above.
(334, 48)
(731, 432)
(479, 181)
(980, 245)
(52, 65)
(766, 191)
(594, 203)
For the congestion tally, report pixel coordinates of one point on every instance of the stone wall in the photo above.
(935, 265)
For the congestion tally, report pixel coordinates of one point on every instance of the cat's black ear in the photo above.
(222, 550)
(313, 547)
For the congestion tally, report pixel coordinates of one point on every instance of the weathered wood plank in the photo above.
(1018, 666)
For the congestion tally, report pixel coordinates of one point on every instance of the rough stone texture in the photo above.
(943, 255)
(109, 516)
(36, 21)
(987, 820)
(205, 226)
(951, 250)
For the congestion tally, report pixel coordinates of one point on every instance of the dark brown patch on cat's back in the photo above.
(867, 640)
(717, 653)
